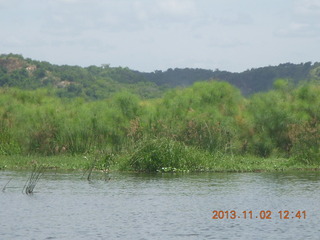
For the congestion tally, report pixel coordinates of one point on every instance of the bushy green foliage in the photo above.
(305, 133)
(188, 129)
(272, 117)
(164, 155)
(8, 146)
(306, 142)
(128, 104)
(204, 115)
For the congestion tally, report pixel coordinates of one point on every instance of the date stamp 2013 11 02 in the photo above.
(263, 214)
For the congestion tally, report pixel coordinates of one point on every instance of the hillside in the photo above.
(249, 82)
(95, 82)
(73, 81)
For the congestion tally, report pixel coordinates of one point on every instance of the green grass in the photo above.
(55, 162)
(167, 155)
(256, 164)
(159, 155)
(162, 154)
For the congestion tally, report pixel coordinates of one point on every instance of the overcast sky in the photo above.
(148, 35)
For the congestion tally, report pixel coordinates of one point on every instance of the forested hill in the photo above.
(95, 82)
(249, 82)
(73, 81)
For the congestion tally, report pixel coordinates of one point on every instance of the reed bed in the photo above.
(205, 127)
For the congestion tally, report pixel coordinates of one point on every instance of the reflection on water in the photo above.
(159, 206)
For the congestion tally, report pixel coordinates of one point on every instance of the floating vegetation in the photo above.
(33, 179)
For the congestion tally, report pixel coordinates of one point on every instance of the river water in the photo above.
(161, 206)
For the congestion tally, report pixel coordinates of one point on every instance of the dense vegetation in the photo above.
(249, 81)
(197, 128)
(102, 82)
(91, 83)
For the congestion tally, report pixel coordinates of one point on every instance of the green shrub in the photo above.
(306, 142)
(165, 155)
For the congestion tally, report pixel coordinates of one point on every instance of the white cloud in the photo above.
(160, 14)
(307, 7)
(236, 19)
(153, 34)
(304, 21)
(299, 30)
(177, 8)
(70, 1)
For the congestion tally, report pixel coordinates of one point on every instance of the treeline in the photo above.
(249, 82)
(209, 117)
(95, 83)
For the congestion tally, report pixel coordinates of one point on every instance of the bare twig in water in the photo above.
(100, 165)
(5, 186)
(91, 169)
(33, 179)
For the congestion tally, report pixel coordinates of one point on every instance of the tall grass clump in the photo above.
(305, 133)
(306, 143)
(163, 154)
(206, 115)
(8, 145)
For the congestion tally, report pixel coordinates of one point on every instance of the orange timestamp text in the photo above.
(263, 214)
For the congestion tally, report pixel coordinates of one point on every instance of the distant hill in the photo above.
(73, 81)
(249, 82)
(95, 82)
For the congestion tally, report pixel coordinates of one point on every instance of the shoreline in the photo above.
(226, 164)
